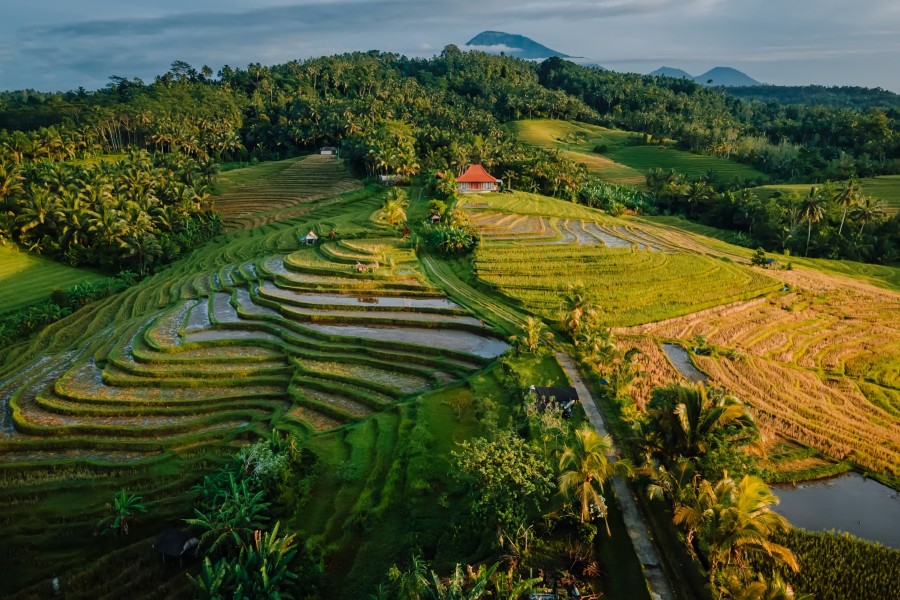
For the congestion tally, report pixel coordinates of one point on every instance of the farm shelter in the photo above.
(477, 181)
(310, 239)
(564, 397)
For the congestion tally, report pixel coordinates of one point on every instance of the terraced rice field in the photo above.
(818, 364)
(624, 161)
(27, 279)
(249, 333)
(284, 193)
(638, 274)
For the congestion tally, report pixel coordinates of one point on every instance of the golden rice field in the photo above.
(819, 364)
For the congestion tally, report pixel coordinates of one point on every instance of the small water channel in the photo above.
(682, 361)
(851, 503)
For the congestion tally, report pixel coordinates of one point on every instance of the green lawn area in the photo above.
(886, 188)
(624, 161)
(26, 279)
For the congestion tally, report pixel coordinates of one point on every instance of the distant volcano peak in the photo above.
(513, 45)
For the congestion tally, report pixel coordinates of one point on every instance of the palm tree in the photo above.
(585, 467)
(732, 523)
(848, 197)
(811, 211)
(10, 183)
(531, 332)
(867, 211)
(577, 307)
(687, 417)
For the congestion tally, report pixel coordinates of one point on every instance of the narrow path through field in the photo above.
(637, 528)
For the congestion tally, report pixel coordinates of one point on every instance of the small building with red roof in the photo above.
(477, 181)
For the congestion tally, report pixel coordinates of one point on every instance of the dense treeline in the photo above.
(126, 214)
(400, 116)
(844, 96)
(828, 221)
(798, 143)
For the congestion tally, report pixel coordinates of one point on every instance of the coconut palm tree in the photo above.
(577, 308)
(847, 197)
(867, 211)
(687, 417)
(531, 332)
(585, 466)
(732, 522)
(811, 210)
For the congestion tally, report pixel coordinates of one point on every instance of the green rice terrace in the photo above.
(252, 332)
(640, 273)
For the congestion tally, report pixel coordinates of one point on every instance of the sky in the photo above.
(53, 45)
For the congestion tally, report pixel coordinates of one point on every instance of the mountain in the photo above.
(672, 72)
(513, 45)
(725, 76)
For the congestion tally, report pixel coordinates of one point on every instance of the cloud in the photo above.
(52, 40)
(494, 49)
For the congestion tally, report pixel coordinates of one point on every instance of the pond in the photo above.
(851, 503)
(682, 361)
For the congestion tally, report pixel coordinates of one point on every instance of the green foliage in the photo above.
(123, 513)
(449, 239)
(508, 478)
(759, 258)
(585, 467)
(685, 421)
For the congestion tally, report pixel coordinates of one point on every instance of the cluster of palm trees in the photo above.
(727, 522)
(118, 215)
(780, 222)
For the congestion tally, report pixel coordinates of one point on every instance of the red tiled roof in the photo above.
(476, 174)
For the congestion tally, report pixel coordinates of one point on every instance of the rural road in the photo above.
(638, 531)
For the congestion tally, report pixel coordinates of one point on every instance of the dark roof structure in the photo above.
(560, 394)
(175, 543)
